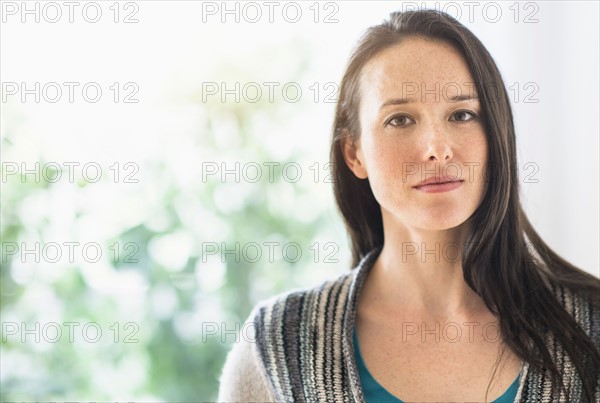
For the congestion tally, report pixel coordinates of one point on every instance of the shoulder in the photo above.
(296, 313)
(298, 336)
(242, 377)
(584, 307)
(575, 300)
(299, 305)
(248, 373)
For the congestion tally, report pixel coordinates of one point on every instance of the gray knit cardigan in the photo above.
(298, 346)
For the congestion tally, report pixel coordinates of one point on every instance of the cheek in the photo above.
(477, 153)
(386, 166)
(478, 147)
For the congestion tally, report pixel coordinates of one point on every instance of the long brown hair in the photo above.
(498, 260)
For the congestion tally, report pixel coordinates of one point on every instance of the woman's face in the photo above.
(420, 119)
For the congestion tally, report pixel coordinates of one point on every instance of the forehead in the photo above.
(416, 63)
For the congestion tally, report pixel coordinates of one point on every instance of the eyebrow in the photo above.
(402, 101)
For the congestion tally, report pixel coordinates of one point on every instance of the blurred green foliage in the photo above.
(155, 308)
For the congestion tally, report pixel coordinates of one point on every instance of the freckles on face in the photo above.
(420, 118)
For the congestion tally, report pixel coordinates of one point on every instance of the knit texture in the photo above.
(303, 341)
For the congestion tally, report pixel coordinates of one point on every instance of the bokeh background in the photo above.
(129, 277)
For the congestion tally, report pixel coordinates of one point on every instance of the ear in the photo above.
(353, 155)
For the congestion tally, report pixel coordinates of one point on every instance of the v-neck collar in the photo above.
(360, 274)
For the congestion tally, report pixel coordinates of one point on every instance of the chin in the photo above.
(435, 217)
(441, 222)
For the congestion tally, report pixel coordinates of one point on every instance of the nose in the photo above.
(437, 146)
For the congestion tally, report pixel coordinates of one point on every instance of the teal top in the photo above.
(374, 392)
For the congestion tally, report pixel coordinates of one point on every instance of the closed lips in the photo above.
(438, 181)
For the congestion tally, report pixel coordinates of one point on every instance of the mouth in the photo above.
(438, 186)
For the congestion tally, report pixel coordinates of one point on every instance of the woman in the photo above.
(426, 179)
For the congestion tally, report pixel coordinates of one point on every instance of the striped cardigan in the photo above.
(301, 348)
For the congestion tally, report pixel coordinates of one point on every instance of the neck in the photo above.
(421, 271)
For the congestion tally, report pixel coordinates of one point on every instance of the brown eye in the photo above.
(399, 121)
(463, 116)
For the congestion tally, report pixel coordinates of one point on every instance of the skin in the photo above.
(399, 146)
(435, 136)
